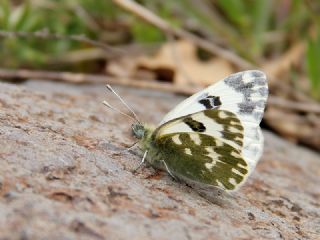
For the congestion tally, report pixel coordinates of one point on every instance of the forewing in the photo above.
(244, 94)
(219, 124)
(207, 161)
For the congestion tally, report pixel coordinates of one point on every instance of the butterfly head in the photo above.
(138, 130)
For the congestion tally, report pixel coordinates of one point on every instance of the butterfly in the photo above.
(212, 138)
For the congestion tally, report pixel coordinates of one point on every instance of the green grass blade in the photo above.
(313, 61)
(235, 11)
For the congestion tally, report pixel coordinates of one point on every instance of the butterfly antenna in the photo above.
(123, 102)
(117, 110)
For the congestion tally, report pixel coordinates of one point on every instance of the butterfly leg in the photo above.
(166, 166)
(142, 161)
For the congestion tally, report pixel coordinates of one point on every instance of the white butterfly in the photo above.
(212, 138)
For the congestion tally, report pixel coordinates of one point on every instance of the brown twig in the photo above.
(145, 84)
(295, 106)
(92, 78)
(153, 19)
(44, 34)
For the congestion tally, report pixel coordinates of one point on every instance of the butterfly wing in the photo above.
(219, 124)
(244, 94)
(204, 148)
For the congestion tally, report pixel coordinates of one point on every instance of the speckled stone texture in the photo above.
(65, 175)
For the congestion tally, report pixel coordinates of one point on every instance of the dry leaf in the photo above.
(181, 57)
(295, 127)
(282, 65)
(175, 62)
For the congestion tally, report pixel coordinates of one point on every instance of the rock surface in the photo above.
(64, 175)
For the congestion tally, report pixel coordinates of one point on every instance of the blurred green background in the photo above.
(258, 30)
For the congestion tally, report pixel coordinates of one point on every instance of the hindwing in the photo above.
(202, 159)
(204, 148)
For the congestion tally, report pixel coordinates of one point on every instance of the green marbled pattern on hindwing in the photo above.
(203, 159)
(232, 127)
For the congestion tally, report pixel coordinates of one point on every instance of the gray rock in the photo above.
(64, 175)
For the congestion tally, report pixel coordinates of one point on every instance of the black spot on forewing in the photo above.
(194, 125)
(210, 102)
(217, 101)
(206, 103)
